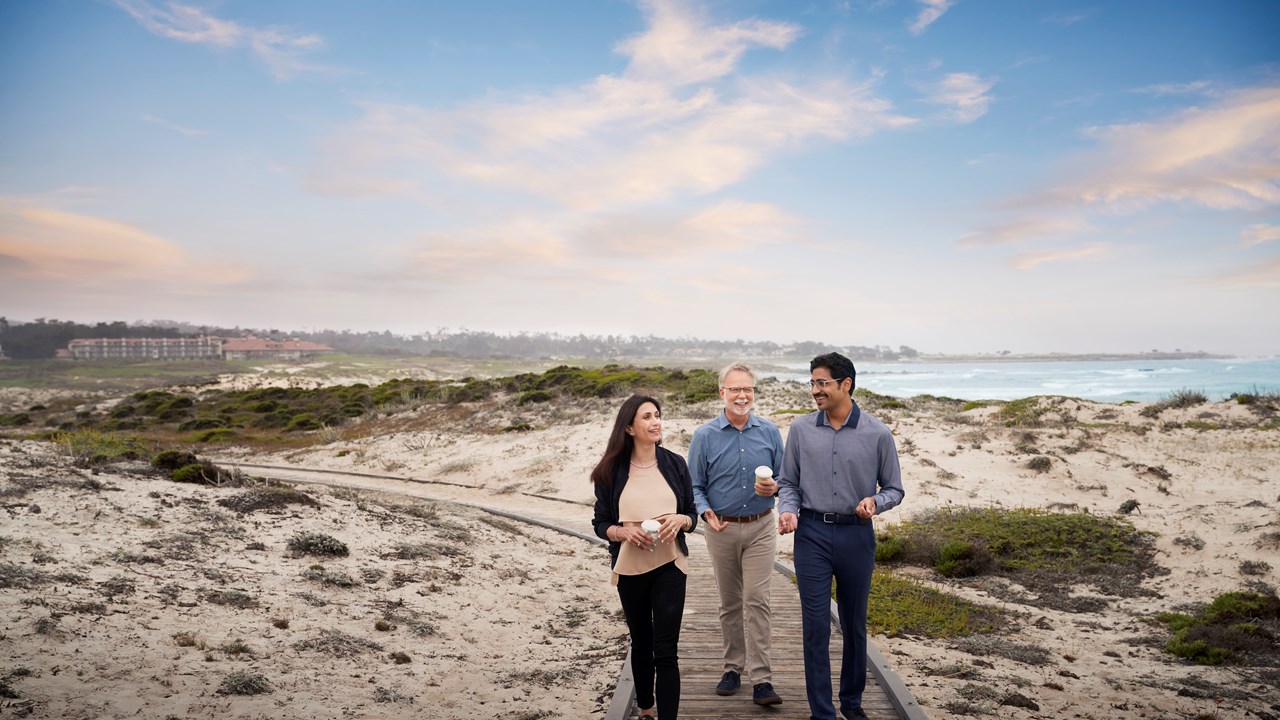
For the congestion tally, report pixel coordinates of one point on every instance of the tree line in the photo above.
(41, 338)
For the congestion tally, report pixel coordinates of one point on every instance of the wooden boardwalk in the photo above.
(701, 663)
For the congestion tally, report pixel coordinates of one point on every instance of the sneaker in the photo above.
(850, 713)
(728, 684)
(763, 694)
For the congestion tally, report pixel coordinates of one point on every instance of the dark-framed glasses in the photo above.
(748, 389)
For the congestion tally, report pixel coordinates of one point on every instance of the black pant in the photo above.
(654, 606)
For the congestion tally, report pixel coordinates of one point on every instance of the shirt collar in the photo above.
(855, 414)
(724, 420)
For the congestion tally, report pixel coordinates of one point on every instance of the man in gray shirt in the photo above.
(840, 468)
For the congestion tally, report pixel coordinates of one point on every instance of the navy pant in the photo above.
(847, 553)
(654, 606)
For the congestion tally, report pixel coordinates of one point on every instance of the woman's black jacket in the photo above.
(676, 472)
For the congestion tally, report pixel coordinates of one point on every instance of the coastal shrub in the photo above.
(170, 460)
(15, 420)
(888, 548)
(1128, 506)
(203, 423)
(317, 544)
(1184, 398)
(1039, 463)
(215, 435)
(267, 498)
(961, 558)
(244, 682)
(90, 447)
(1025, 413)
(338, 644)
(1029, 544)
(1236, 628)
(901, 605)
(534, 396)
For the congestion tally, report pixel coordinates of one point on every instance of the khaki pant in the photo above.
(742, 558)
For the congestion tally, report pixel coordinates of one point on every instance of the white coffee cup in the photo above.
(652, 527)
(764, 472)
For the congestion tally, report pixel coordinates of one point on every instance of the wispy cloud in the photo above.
(682, 46)
(680, 120)
(189, 132)
(930, 11)
(1264, 275)
(75, 251)
(1223, 156)
(1072, 18)
(282, 51)
(1190, 88)
(963, 94)
(1031, 261)
(1259, 234)
(1016, 232)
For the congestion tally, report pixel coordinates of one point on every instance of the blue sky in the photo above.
(957, 176)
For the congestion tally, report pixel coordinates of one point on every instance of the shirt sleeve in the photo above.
(698, 469)
(889, 476)
(789, 479)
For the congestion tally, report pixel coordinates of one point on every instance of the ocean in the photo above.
(1101, 380)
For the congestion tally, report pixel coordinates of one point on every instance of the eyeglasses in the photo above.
(823, 383)
(737, 390)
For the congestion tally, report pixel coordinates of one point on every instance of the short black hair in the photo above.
(838, 365)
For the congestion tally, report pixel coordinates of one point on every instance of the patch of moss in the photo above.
(1236, 628)
(900, 605)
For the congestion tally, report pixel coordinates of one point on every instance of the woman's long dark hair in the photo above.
(620, 443)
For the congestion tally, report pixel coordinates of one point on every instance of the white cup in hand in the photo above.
(652, 527)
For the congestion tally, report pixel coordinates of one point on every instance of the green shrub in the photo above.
(901, 605)
(170, 460)
(889, 548)
(215, 435)
(960, 558)
(534, 396)
(193, 473)
(1236, 628)
(317, 544)
(90, 447)
(202, 423)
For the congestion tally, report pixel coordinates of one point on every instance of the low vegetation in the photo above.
(1177, 399)
(1047, 551)
(213, 416)
(901, 605)
(1240, 628)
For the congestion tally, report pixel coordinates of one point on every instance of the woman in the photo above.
(637, 480)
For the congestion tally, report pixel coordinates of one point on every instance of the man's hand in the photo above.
(867, 508)
(714, 522)
(786, 523)
(766, 487)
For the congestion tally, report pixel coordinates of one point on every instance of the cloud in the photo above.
(930, 11)
(681, 47)
(66, 252)
(189, 132)
(1160, 89)
(280, 50)
(965, 94)
(678, 121)
(1031, 261)
(1258, 234)
(554, 248)
(1067, 20)
(1264, 275)
(1022, 230)
(1225, 156)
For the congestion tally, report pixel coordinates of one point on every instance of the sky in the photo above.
(957, 176)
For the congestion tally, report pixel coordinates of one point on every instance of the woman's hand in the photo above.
(672, 525)
(633, 535)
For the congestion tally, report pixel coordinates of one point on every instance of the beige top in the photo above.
(647, 495)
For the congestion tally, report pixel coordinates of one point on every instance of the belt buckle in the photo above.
(828, 518)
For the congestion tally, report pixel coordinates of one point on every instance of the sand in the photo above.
(123, 588)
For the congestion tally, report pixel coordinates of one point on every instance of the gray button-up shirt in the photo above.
(723, 462)
(833, 470)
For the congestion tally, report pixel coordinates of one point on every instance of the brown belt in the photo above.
(744, 518)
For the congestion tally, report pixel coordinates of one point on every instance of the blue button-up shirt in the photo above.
(831, 470)
(723, 462)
